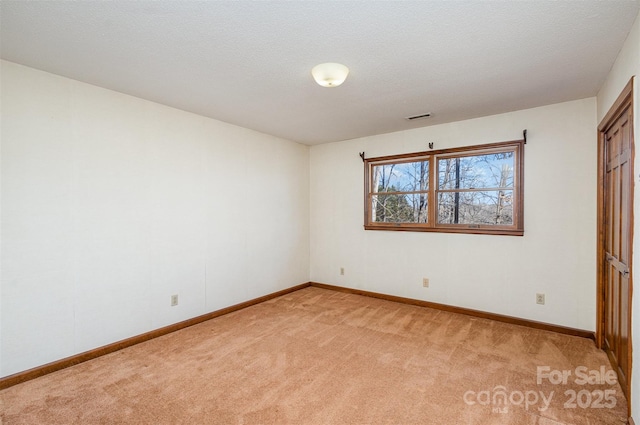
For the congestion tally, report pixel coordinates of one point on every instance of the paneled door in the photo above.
(616, 233)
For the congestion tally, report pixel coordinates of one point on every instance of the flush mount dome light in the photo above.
(330, 74)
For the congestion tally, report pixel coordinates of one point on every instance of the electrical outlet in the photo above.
(174, 300)
(540, 299)
(425, 282)
(341, 271)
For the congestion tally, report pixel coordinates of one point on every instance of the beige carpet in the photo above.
(317, 356)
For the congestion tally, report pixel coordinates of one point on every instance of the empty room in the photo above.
(319, 212)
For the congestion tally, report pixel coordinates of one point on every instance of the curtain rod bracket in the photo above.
(361, 156)
(524, 135)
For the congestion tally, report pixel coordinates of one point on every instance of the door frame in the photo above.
(624, 100)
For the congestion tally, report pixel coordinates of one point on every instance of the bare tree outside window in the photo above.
(476, 189)
(400, 192)
(470, 190)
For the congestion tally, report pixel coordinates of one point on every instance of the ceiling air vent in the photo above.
(418, 117)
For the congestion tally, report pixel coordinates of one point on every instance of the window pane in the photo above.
(493, 207)
(476, 172)
(401, 177)
(471, 190)
(399, 208)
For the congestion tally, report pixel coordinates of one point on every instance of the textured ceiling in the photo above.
(249, 63)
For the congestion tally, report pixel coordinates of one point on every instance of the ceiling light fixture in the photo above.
(330, 74)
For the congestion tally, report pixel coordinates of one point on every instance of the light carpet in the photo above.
(318, 356)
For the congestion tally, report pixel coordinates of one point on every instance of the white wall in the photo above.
(499, 274)
(111, 204)
(626, 66)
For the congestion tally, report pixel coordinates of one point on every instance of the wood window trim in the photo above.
(516, 229)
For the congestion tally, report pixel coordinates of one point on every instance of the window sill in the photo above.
(457, 229)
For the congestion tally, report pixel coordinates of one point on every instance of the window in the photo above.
(477, 189)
